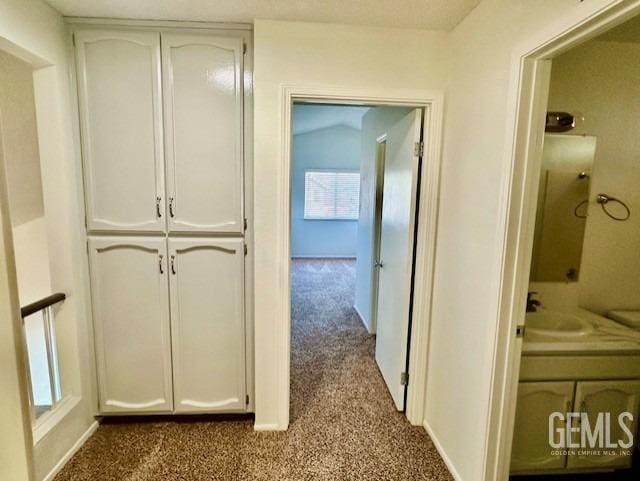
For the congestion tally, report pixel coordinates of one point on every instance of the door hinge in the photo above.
(247, 399)
(520, 331)
(404, 379)
(244, 48)
(418, 149)
(245, 223)
(73, 39)
(245, 249)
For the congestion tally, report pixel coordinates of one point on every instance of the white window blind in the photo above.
(331, 194)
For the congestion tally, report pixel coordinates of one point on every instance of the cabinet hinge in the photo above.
(404, 379)
(247, 400)
(520, 331)
(245, 249)
(418, 149)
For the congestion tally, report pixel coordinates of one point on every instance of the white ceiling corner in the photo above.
(422, 14)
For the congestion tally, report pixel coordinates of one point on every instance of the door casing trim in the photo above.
(432, 103)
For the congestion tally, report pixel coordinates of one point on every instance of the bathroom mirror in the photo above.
(562, 207)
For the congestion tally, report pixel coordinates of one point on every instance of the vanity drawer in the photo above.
(557, 368)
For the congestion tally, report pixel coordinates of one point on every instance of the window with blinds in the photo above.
(331, 194)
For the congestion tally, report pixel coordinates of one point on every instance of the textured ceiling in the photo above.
(310, 117)
(425, 14)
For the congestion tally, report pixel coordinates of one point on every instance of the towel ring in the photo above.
(604, 199)
(575, 211)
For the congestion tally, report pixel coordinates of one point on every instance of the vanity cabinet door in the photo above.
(536, 402)
(207, 324)
(121, 125)
(203, 99)
(614, 397)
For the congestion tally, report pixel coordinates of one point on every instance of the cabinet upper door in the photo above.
(203, 102)
(121, 129)
(207, 324)
(130, 296)
(536, 402)
(599, 398)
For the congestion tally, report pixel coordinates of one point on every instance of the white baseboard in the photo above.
(73, 450)
(362, 319)
(441, 452)
(267, 427)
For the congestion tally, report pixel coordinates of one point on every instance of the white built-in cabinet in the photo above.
(207, 328)
(119, 97)
(163, 136)
(130, 294)
(202, 79)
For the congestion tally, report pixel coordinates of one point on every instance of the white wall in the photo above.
(336, 147)
(599, 80)
(375, 123)
(20, 139)
(37, 33)
(313, 54)
(472, 217)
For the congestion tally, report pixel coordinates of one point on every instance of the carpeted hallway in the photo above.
(343, 423)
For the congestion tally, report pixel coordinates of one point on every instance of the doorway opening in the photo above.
(572, 396)
(355, 174)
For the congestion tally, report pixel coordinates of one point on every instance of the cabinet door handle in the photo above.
(173, 265)
(158, 212)
(171, 207)
(160, 257)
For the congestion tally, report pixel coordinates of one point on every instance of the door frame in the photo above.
(432, 103)
(527, 100)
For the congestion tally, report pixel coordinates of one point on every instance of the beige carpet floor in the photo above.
(343, 423)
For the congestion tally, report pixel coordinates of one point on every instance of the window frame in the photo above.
(336, 171)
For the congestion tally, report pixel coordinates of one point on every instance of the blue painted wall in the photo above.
(335, 147)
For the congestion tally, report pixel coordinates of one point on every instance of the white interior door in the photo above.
(396, 251)
(130, 296)
(207, 324)
(121, 123)
(203, 124)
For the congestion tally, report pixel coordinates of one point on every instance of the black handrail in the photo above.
(42, 304)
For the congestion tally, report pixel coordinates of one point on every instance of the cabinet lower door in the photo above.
(599, 398)
(130, 296)
(208, 324)
(536, 402)
(203, 98)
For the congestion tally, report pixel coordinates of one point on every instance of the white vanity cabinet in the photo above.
(536, 401)
(162, 122)
(614, 397)
(591, 384)
(207, 324)
(118, 78)
(130, 295)
(203, 115)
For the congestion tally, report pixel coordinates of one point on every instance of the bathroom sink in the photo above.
(557, 324)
